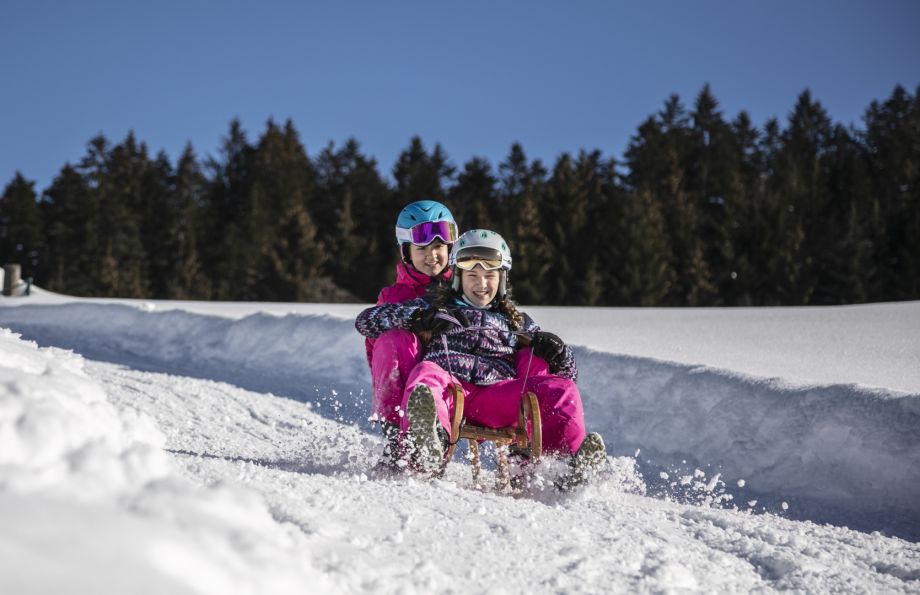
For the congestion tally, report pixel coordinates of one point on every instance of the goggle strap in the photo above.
(403, 234)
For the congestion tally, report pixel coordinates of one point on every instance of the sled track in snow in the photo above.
(843, 454)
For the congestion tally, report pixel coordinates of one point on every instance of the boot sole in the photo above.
(588, 460)
(427, 451)
(592, 451)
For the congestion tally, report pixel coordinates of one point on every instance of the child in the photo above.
(481, 356)
(425, 231)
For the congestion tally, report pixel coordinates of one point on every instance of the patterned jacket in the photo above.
(410, 284)
(482, 352)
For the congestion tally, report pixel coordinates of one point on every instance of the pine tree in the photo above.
(843, 257)
(157, 221)
(600, 186)
(747, 218)
(574, 198)
(800, 183)
(563, 213)
(289, 258)
(521, 198)
(420, 176)
(637, 252)
(359, 214)
(779, 238)
(226, 246)
(892, 144)
(473, 198)
(114, 176)
(68, 207)
(22, 239)
(714, 184)
(187, 192)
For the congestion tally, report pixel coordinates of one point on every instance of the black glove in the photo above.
(427, 320)
(548, 346)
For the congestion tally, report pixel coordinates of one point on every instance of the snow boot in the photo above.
(523, 469)
(590, 458)
(391, 460)
(426, 440)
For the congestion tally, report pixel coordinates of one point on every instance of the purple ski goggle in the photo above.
(427, 232)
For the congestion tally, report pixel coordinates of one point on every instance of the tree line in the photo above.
(701, 211)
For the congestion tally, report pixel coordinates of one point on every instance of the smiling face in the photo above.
(480, 286)
(430, 259)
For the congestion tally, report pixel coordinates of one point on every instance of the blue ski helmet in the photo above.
(421, 223)
(417, 221)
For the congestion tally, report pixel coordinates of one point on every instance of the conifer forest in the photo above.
(703, 209)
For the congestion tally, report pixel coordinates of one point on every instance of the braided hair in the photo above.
(506, 306)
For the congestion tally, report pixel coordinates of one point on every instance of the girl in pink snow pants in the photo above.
(425, 231)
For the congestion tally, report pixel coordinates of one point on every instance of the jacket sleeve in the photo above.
(563, 366)
(376, 320)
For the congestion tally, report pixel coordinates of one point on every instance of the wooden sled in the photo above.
(502, 437)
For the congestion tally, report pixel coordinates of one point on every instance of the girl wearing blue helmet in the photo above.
(425, 232)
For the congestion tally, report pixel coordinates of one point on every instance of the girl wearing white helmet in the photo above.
(478, 336)
(425, 231)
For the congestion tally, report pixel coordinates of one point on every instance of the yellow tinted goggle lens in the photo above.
(488, 264)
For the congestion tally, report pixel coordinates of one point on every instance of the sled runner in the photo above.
(529, 415)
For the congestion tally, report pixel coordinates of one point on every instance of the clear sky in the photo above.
(474, 76)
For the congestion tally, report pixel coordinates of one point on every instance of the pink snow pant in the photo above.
(497, 405)
(395, 353)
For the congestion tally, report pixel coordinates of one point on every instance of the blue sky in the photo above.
(473, 76)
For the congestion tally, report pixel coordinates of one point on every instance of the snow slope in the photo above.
(171, 452)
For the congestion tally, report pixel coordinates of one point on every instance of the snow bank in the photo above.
(840, 453)
(845, 454)
(264, 349)
(58, 434)
(77, 472)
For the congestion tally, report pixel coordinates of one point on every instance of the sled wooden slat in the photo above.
(455, 424)
(499, 435)
(474, 460)
(533, 412)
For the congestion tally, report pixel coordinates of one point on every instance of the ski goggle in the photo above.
(427, 232)
(487, 258)
(471, 263)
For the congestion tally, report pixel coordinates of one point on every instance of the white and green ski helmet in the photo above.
(483, 248)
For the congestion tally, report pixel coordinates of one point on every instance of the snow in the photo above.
(193, 447)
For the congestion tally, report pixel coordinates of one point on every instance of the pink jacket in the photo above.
(410, 284)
